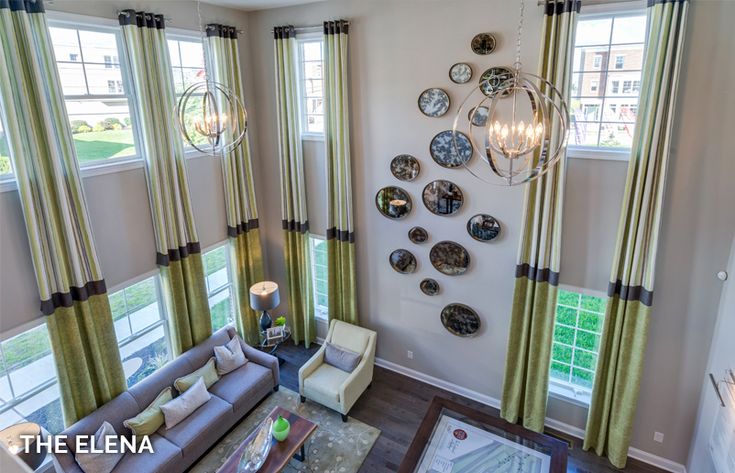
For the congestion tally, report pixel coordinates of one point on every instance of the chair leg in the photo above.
(370, 385)
(302, 398)
(344, 417)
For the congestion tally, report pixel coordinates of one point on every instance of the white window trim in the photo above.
(320, 312)
(631, 8)
(300, 39)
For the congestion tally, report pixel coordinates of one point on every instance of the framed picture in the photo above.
(274, 334)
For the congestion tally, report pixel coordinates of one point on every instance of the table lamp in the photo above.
(264, 296)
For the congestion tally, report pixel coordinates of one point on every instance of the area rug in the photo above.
(335, 446)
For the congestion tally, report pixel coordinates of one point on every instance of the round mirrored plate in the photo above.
(478, 115)
(442, 197)
(403, 261)
(492, 78)
(393, 202)
(449, 258)
(444, 151)
(461, 320)
(483, 227)
(460, 73)
(418, 235)
(405, 167)
(483, 43)
(429, 286)
(433, 102)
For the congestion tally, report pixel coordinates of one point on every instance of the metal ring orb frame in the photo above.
(238, 122)
(549, 105)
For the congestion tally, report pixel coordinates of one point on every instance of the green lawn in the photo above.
(26, 348)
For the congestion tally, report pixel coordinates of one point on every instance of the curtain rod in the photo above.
(168, 20)
(305, 29)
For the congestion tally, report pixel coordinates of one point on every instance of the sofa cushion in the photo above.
(199, 354)
(165, 459)
(151, 418)
(146, 390)
(208, 373)
(342, 358)
(203, 427)
(241, 385)
(115, 411)
(229, 356)
(325, 382)
(183, 406)
(93, 462)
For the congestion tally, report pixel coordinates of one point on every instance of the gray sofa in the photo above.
(233, 396)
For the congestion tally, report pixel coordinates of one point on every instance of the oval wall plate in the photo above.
(449, 258)
(446, 153)
(405, 167)
(460, 73)
(393, 202)
(460, 320)
(403, 261)
(483, 44)
(434, 102)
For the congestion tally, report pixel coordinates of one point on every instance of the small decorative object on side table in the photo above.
(11, 438)
(274, 337)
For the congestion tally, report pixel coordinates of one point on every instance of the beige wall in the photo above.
(399, 48)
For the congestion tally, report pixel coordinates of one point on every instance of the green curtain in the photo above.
(340, 220)
(70, 283)
(630, 292)
(177, 246)
(223, 65)
(295, 221)
(526, 382)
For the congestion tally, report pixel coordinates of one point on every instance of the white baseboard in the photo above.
(645, 457)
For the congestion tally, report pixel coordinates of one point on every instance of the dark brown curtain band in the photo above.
(29, 6)
(527, 271)
(294, 226)
(656, 2)
(630, 293)
(141, 19)
(337, 27)
(284, 32)
(242, 227)
(340, 235)
(557, 7)
(222, 31)
(177, 254)
(66, 299)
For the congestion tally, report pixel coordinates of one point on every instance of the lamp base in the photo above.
(265, 321)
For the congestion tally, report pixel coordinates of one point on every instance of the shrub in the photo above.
(76, 126)
(84, 129)
(126, 121)
(99, 127)
(5, 165)
(111, 122)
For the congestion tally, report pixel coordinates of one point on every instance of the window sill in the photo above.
(312, 136)
(580, 152)
(570, 394)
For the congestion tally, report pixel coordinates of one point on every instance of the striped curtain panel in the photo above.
(223, 66)
(177, 246)
(526, 383)
(630, 293)
(70, 284)
(340, 221)
(293, 189)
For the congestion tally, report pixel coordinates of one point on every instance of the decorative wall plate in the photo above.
(393, 202)
(418, 235)
(434, 102)
(483, 227)
(478, 115)
(460, 73)
(403, 261)
(449, 258)
(444, 151)
(492, 78)
(461, 320)
(429, 286)
(442, 197)
(405, 167)
(483, 43)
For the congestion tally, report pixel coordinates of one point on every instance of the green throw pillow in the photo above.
(208, 372)
(148, 421)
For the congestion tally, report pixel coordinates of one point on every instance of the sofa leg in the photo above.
(344, 417)
(276, 388)
(302, 398)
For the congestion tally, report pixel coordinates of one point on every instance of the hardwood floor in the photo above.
(395, 404)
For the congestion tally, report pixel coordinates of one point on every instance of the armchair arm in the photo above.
(310, 366)
(359, 379)
(263, 359)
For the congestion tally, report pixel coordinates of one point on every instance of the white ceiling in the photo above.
(250, 5)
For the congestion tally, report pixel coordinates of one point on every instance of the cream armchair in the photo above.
(330, 386)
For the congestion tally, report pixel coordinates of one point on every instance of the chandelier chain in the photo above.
(517, 64)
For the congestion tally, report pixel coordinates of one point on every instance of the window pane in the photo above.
(66, 44)
(5, 165)
(101, 129)
(72, 79)
(591, 58)
(314, 106)
(617, 135)
(313, 88)
(312, 70)
(173, 52)
(99, 47)
(593, 31)
(220, 306)
(44, 408)
(145, 355)
(99, 78)
(631, 29)
(141, 294)
(313, 51)
(315, 124)
(584, 134)
(192, 76)
(191, 54)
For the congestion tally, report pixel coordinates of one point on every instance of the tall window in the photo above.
(577, 330)
(28, 385)
(94, 85)
(318, 248)
(6, 169)
(219, 286)
(312, 86)
(608, 50)
(187, 63)
(141, 329)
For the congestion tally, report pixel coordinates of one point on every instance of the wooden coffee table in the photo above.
(281, 452)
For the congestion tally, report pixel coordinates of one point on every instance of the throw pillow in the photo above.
(208, 372)
(342, 358)
(148, 421)
(100, 462)
(229, 356)
(183, 406)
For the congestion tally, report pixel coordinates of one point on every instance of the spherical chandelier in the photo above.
(519, 123)
(211, 116)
